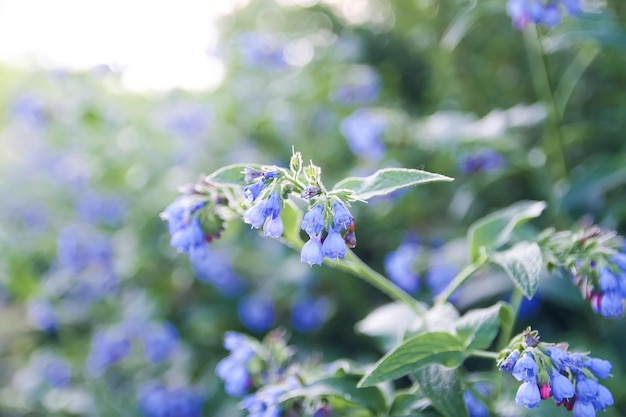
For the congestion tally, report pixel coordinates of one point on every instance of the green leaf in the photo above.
(523, 264)
(494, 230)
(479, 327)
(292, 219)
(416, 352)
(444, 388)
(386, 181)
(389, 320)
(345, 387)
(231, 174)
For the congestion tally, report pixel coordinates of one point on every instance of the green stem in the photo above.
(355, 266)
(507, 328)
(483, 354)
(459, 279)
(543, 90)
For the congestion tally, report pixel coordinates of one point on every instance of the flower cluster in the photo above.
(110, 346)
(547, 370)
(266, 401)
(607, 297)
(233, 369)
(266, 209)
(333, 246)
(544, 12)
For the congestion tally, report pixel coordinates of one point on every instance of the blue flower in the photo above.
(600, 367)
(256, 313)
(261, 49)
(438, 277)
(608, 281)
(334, 247)
(186, 237)
(252, 191)
(528, 394)
(42, 315)
(272, 206)
(583, 409)
(100, 209)
(273, 227)
(255, 216)
(309, 313)
(313, 221)
(362, 86)
(586, 389)
(509, 363)
(233, 369)
(604, 398)
(266, 401)
(611, 304)
(107, 348)
(341, 216)
(562, 387)
(475, 407)
(155, 400)
(525, 368)
(30, 111)
(312, 252)
(363, 130)
(57, 372)
(159, 341)
(250, 174)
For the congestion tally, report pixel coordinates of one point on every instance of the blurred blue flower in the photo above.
(256, 313)
(233, 369)
(107, 348)
(186, 120)
(100, 209)
(399, 266)
(57, 372)
(29, 110)
(260, 49)
(309, 313)
(266, 401)
(547, 13)
(160, 340)
(363, 130)
(361, 86)
(187, 237)
(475, 407)
(439, 276)
(155, 400)
(42, 315)
(480, 160)
(213, 267)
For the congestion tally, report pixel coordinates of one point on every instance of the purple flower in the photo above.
(334, 246)
(313, 221)
(363, 130)
(528, 394)
(233, 369)
(525, 368)
(256, 313)
(312, 252)
(309, 313)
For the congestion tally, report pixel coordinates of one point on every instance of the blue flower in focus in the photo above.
(480, 160)
(185, 229)
(313, 221)
(312, 252)
(233, 369)
(342, 218)
(562, 387)
(160, 340)
(155, 400)
(399, 266)
(256, 313)
(510, 361)
(525, 368)
(309, 313)
(363, 130)
(334, 246)
(528, 394)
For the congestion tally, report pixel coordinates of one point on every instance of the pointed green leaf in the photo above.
(494, 230)
(389, 320)
(231, 174)
(444, 388)
(523, 264)
(386, 181)
(414, 353)
(479, 327)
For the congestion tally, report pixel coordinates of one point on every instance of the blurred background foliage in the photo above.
(87, 275)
